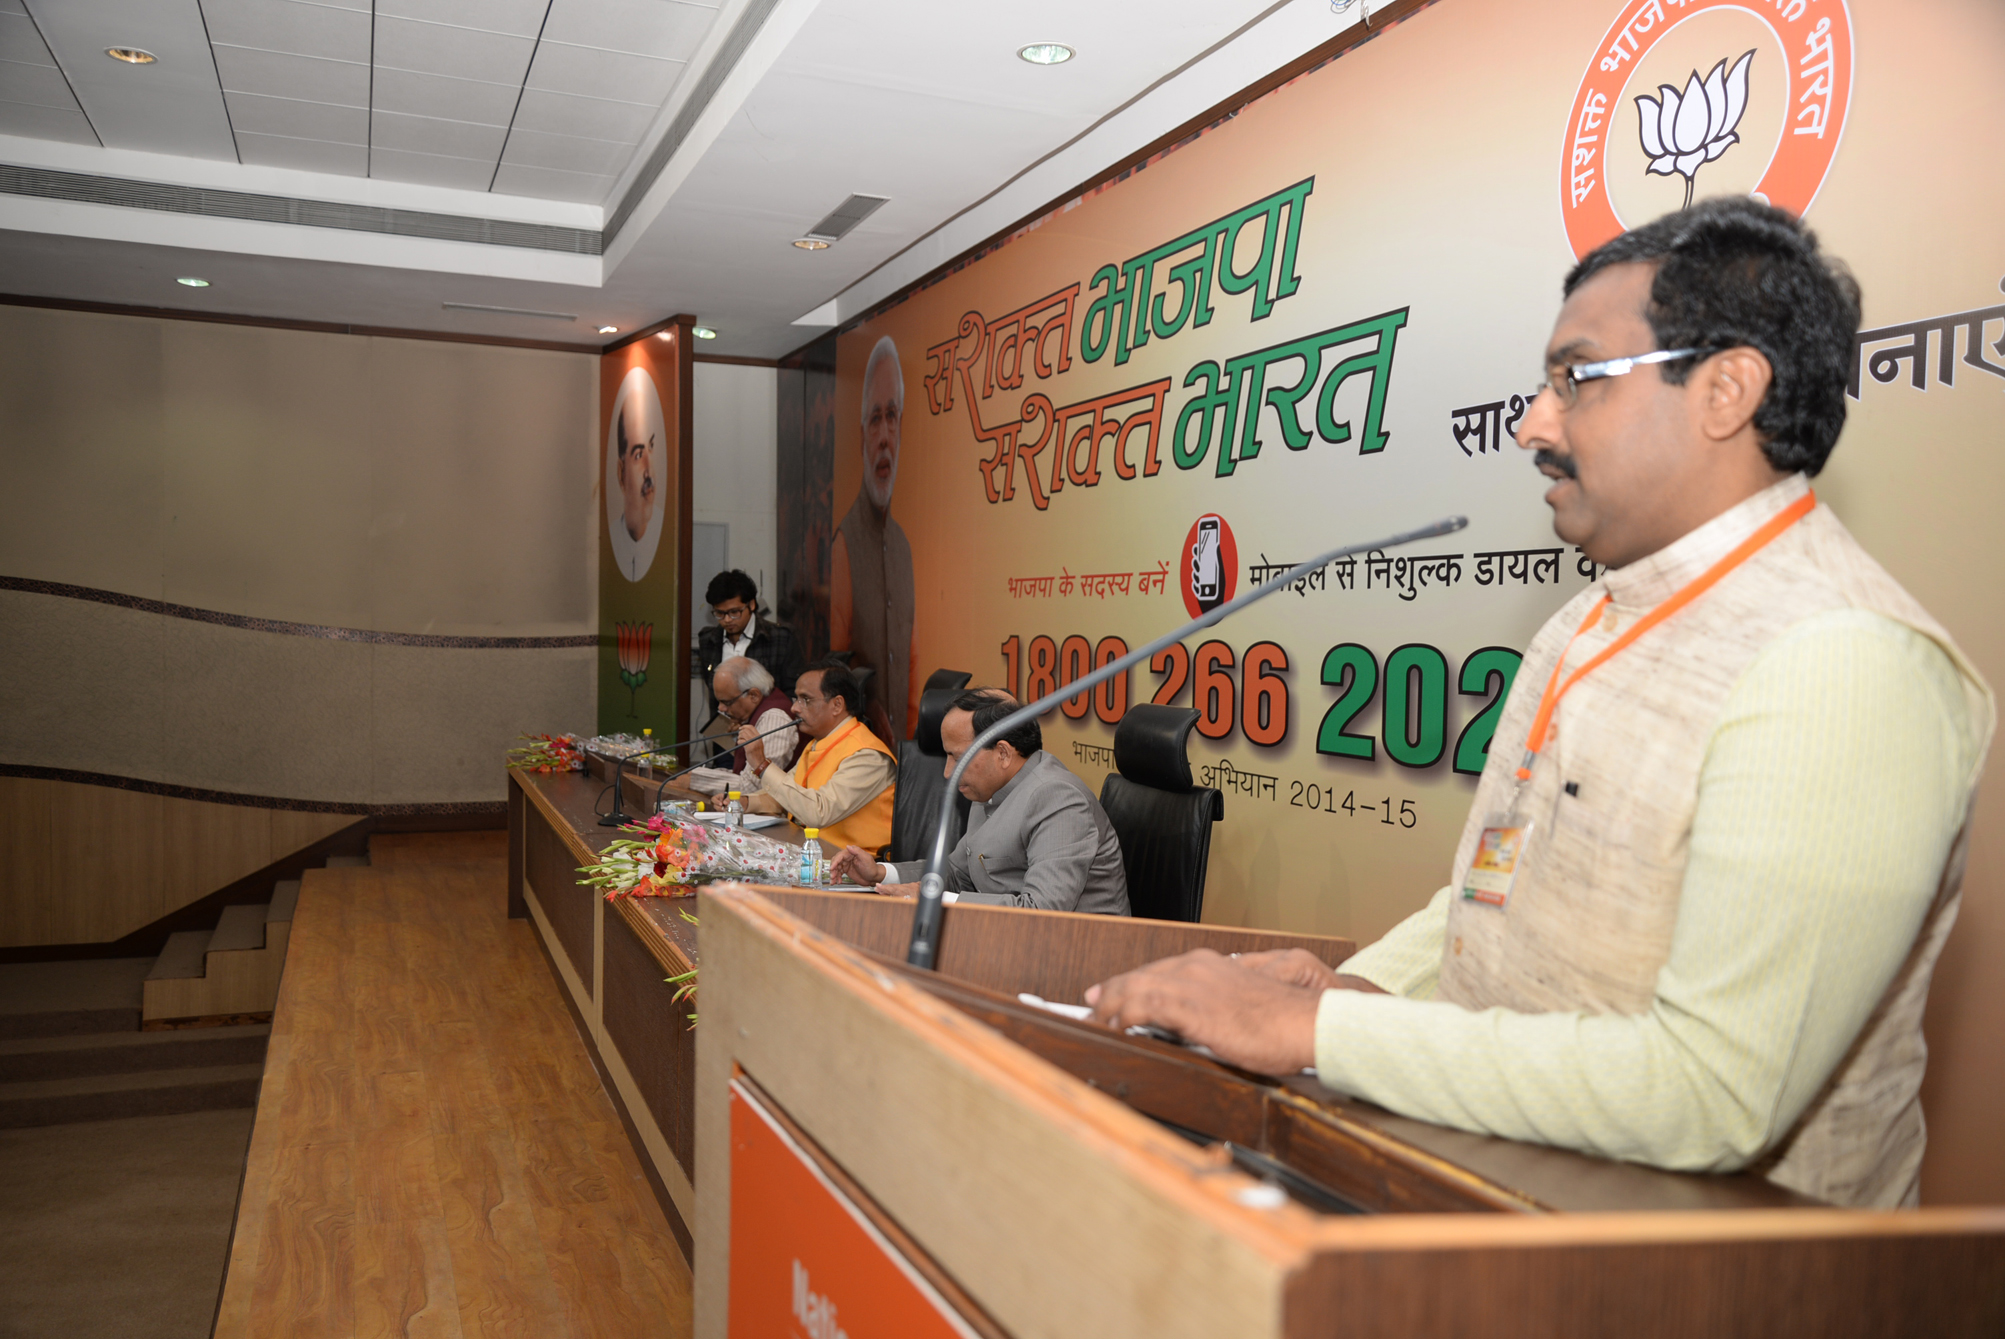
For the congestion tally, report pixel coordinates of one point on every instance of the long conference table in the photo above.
(905, 1097)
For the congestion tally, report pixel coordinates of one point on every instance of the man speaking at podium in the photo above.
(1719, 839)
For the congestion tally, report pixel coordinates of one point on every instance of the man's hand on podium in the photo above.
(1257, 1012)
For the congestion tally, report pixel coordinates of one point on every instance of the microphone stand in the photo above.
(926, 916)
(616, 818)
(791, 724)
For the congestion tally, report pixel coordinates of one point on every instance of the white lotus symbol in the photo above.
(1682, 131)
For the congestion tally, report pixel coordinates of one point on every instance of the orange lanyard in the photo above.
(1705, 581)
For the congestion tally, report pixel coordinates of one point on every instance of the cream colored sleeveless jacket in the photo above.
(1590, 919)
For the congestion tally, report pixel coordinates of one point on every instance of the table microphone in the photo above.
(792, 723)
(926, 916)
(616, 818)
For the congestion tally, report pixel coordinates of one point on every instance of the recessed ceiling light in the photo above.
(1045, 53)
(665, 334)
(609, 330)
(811, 244)
(193, 282)
(703, 332)
(131, 55)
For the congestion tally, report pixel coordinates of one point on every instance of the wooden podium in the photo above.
(881, 1151)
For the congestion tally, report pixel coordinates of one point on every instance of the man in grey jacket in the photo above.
(1036, 837)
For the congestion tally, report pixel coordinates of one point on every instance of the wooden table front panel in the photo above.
(552, 871)
(653, 1036)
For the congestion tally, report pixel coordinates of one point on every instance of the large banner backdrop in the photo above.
(1319, 321)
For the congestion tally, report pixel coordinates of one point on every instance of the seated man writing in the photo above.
(1036, 836)
(748, 698)
(844, 780)
(1719, 839)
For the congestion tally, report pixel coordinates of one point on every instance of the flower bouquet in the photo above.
(548, 753)
(668, 858)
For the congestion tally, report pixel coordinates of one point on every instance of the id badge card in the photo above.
(1500, 855)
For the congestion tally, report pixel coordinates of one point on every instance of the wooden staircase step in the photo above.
(183, 957)
(115, 1096)
(53, 999)
(35, 1059)
(285, 896)
(241, 928)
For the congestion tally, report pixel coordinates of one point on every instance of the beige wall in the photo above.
(736, 469)
(395, 486)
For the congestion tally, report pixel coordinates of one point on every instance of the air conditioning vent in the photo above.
(846, 216)
(208, 202)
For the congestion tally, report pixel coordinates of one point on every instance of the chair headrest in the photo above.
(946, 678)
(933, 706)
(1149, 746)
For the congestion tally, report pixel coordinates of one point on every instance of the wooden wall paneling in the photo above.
(296, 829)
(652, 1035)
(27, 861)
(551, 868)
(106, 878)
(204, 846)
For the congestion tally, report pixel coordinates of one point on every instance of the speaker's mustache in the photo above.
(1564, 464)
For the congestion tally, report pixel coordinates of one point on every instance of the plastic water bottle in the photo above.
(734, 809)
(812, 860)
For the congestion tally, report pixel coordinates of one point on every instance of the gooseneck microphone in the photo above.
(615, 818)
(790, 725)
(926, 916)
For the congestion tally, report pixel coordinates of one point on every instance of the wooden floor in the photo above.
(434, 1154)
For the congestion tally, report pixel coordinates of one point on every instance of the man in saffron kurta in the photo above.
(845, 778)
(1746, 758)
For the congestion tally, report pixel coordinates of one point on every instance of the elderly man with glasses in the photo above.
(749, 699)
(1719, 840)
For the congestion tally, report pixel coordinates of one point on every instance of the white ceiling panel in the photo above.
(588, 118)
(19, 40)
(20, 118)
(453, 99)
(12, 7)
(433, 135)
(37, 85)
(296, 119)
(661, 28)
(290, 26)
(567, 152)
(281, 76)
(173, 106)
(304, 155)
(595, 73)
(521, 17)
(430, 169)
(551, 184)
(464, 53)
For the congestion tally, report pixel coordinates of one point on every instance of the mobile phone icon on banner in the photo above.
(1204, 573)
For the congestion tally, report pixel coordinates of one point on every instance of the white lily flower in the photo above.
(1681, 132)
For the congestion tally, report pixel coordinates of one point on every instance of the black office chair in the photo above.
(922, 761)
(1163, 821)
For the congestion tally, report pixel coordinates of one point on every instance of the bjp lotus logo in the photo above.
(1654, 57)
(1681, 132)
(635, 644)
